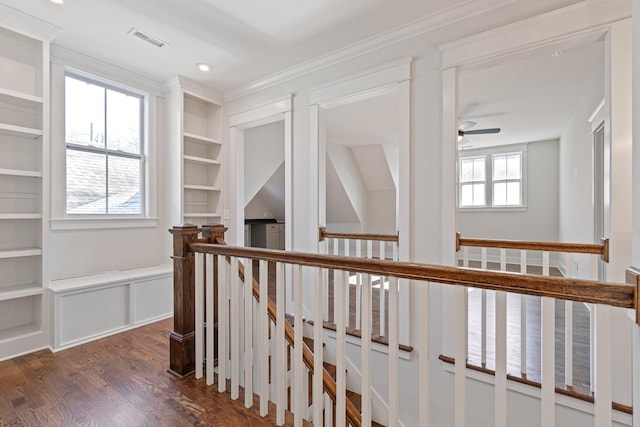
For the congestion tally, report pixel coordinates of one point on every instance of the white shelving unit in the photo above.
(24, 129)
(195, 131)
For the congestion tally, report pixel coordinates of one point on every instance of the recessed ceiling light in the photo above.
(558, 53)
(203, 67)
(57, 1)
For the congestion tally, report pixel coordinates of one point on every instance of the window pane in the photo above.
(500, 193)
(123, 122)
(84, 113)
(466, 170)
(124, 185)
(513, 166)
(513, 193)
(499, 167)
(466, 195)
(478, 194)
(86, 182)
(478, 169)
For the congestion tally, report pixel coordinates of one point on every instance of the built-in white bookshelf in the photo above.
(24, 126)
(196, 141)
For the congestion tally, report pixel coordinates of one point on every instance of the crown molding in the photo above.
(449, 16)
(70, 58)
(587, 20)
(27, 25)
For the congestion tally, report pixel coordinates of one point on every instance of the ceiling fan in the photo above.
(463, 130)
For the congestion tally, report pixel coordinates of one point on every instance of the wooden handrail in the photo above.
(323, 233)
(581, 248)
(330, 387)
(613, 294)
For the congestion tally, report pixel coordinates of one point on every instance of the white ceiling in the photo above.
(249, 39)
(530, 99)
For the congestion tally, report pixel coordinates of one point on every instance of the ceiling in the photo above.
(249, 39)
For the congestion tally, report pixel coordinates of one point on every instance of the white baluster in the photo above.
(210, 355)
(199, 312)
(347, 252)
(318, 367)
(424, 348)
(325, 286)
(234, 336)
(223, 320)
(465, 256)
(358, 284)
(341, 279)
(602, 399)
(501, 360)
(366, 350)
(263, 339)
(281, 347)
(568, 329)
(483, 313)
(460, 367)
(523, 318)
(382, 294)
(393, 352)
(298, 390)
(248, 332)
(548, 365)
(369, 249)
(503, 259)
(545, 263)
(336, 273)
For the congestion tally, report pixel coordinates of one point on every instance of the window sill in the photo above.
(61, 224)
(493, 209)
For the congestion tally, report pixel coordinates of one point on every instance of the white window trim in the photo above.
(489, 153)
(59, 219)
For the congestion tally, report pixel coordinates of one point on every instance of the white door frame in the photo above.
(390, 77)
(273, 111)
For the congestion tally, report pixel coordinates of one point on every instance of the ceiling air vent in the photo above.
(146, 37)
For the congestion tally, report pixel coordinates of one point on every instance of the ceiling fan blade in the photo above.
(480, 131)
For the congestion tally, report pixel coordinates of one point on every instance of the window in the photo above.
(507, 177)
(494, 179)
(104, 148)
(472, 181)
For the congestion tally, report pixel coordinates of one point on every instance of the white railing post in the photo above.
(263, 338)
(366, 350)
(234, 336)
(461, 356)
(209, 290)
(199, 312)
(424, 348)
(281, 347)
(347, 252)
(298, 391)
(248, 333)
(602, 367)
(548, 365)
(342, 279)
(393, 351)
(483, 314)
(358, 285)
(523, 318)
(501, 360)
(381, 294)
(318, 391)
(568, 328)
(223, 305)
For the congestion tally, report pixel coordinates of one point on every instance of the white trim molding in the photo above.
(20, 22)
(60, 224)
(444, 18)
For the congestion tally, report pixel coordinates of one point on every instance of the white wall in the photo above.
(263, 155)
(539, 222)
(576, 214)
(636, 136)
(381, 210)
(348, 174)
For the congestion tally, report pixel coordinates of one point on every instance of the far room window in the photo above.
(507, 179)
(104, 148)
(472, 181)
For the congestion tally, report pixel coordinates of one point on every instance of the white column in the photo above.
(248, 332)
(263, 339)
(222, 323)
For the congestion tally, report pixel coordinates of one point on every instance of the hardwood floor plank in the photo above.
(117, 381)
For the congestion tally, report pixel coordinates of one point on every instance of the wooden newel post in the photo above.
(182, 338)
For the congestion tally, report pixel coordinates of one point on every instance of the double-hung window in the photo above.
(104, 148)
(492, 178)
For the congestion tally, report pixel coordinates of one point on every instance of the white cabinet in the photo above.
(24, 130)
(268, 235)
(194, 135)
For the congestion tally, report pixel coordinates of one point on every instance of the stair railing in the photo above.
(218, 285)
(527, 256)
(371, 246)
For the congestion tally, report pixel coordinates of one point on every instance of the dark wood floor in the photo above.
(117, 381)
